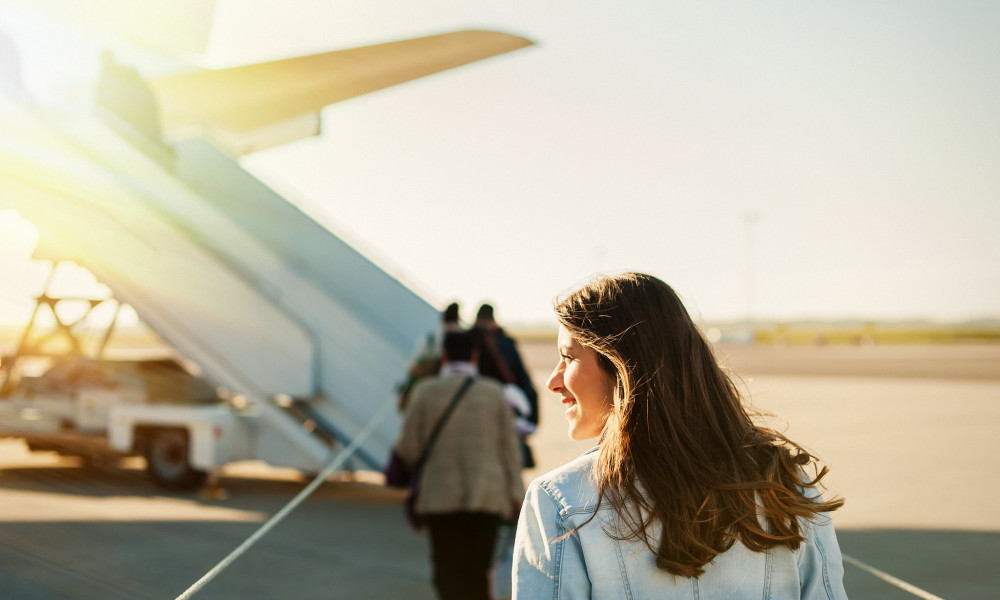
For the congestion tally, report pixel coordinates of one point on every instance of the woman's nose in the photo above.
(555, 381)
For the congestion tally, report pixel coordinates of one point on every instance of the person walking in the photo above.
(500, 359)
(471, 478)
(684, 496)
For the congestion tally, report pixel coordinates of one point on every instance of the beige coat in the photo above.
(475, 465)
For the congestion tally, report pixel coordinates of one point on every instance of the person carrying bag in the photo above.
(398, 475)
(459, 435)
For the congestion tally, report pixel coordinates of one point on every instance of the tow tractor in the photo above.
(60, 392)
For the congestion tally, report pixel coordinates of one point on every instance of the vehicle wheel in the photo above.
(167, 460)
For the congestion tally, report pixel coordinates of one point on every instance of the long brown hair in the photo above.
(679, 447)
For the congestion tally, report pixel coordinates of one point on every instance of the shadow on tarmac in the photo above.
(955, 565)
(348, 540)
(308, 557)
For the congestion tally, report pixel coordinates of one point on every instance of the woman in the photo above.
(684, 496)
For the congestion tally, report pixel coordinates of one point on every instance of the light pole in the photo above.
(750, 219)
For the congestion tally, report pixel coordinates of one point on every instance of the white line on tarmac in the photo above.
(892, 580)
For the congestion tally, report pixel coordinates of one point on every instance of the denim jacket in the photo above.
(591, 564)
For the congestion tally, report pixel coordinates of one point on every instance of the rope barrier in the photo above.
(334, 464)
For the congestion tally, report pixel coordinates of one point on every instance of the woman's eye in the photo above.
(566, 358)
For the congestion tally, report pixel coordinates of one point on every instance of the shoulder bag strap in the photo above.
(440, 424)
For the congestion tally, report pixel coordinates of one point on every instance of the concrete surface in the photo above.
(914, 457)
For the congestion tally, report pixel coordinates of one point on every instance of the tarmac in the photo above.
(910, 442)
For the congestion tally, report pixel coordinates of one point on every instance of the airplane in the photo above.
(138, 179)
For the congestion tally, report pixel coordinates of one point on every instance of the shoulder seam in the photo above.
(565, 509)
(551, 492)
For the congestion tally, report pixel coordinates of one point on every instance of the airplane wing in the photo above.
(264, 104)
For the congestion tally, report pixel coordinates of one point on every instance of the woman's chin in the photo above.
(578, 435)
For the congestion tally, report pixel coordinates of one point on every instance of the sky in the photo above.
(780, 161)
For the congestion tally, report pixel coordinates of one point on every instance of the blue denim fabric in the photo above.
(590, 564)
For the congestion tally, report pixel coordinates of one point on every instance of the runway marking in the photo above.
(895, 581)
(338, 460)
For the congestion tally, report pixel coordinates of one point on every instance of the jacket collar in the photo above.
(458, 368)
